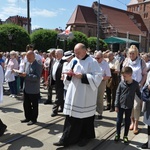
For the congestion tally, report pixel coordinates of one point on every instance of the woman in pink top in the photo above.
(13, 64)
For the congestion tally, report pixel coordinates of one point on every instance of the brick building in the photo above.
(19, 20)
(113, 22)
(142, 7)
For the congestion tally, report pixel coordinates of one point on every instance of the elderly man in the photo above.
(106, 74)
(50, 82)
(59, 86)
(80, 102)
(32, 76)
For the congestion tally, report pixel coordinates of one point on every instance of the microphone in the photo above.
(74, 63)
(70, 77)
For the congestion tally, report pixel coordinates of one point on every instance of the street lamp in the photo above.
(28, 15)
(127, 42)
(98, 25)
(10, 36)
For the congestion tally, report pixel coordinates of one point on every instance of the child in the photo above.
(124, 101)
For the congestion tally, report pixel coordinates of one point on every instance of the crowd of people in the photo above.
(81, 80)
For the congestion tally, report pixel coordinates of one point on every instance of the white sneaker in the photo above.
(10, 95)
(14, 96)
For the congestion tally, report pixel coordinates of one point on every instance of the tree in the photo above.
(92, 41)
(44, 39)
(13, 37)
(79, 37)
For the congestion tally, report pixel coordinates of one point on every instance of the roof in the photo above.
(117, 18)
(120, 20)
(113, 40)
(80, 16)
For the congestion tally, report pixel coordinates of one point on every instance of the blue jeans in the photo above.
(127, 120)
(13, 86)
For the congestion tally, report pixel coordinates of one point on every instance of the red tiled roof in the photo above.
(83, 15)
(116, 17)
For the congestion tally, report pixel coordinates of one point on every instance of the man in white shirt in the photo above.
(106, 74)
(59, 86)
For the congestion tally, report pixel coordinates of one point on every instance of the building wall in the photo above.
(21, 21)
(142, 40)
(143, 8)
(88, 30)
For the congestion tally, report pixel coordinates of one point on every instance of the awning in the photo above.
(118, 40)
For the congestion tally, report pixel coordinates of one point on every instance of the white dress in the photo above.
(81, 98)
(1, 83)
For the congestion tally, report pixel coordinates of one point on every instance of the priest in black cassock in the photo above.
(80, 103)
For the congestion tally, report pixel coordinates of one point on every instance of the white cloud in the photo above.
(62, 9)
(43, 13)
(35, 27)
(13, 8)
(11, 1)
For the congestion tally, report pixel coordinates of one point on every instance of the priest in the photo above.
(2, 125)
(80, 103)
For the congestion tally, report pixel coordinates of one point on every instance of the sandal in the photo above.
(136, 131)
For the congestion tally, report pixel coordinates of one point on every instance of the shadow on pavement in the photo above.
(25, 142)
(6, 110)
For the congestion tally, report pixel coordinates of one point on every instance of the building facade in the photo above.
(112, 21)
(19, 20)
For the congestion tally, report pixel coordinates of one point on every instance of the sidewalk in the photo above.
(48, 130)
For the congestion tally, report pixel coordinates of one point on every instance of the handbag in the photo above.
(145, 94)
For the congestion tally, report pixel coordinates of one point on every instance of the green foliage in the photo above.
(44, 39)
(20, 38)
(92, 42)
(79, 37)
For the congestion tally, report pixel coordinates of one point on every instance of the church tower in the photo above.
(141, 7)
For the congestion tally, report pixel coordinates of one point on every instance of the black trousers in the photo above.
(76, 129)
(59, 101)
(30, 105)
(148, 130)
(21, 82)
(127, 120)
(111, 95)
(50, 88)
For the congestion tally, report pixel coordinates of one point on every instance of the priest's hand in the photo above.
(78, 75)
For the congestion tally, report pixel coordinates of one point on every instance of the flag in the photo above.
(67, 31)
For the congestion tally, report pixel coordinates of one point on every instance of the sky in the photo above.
(50, 14)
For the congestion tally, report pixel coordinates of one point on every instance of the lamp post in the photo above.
(127, 43)
(98, 25)
(10, 36)
(28, 15)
